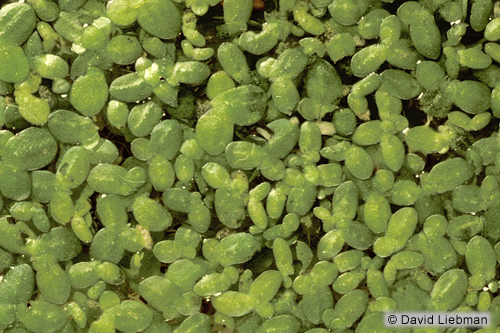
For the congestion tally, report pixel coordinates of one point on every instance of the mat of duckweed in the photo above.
(247, 166)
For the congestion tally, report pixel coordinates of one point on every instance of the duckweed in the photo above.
(247, 166)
